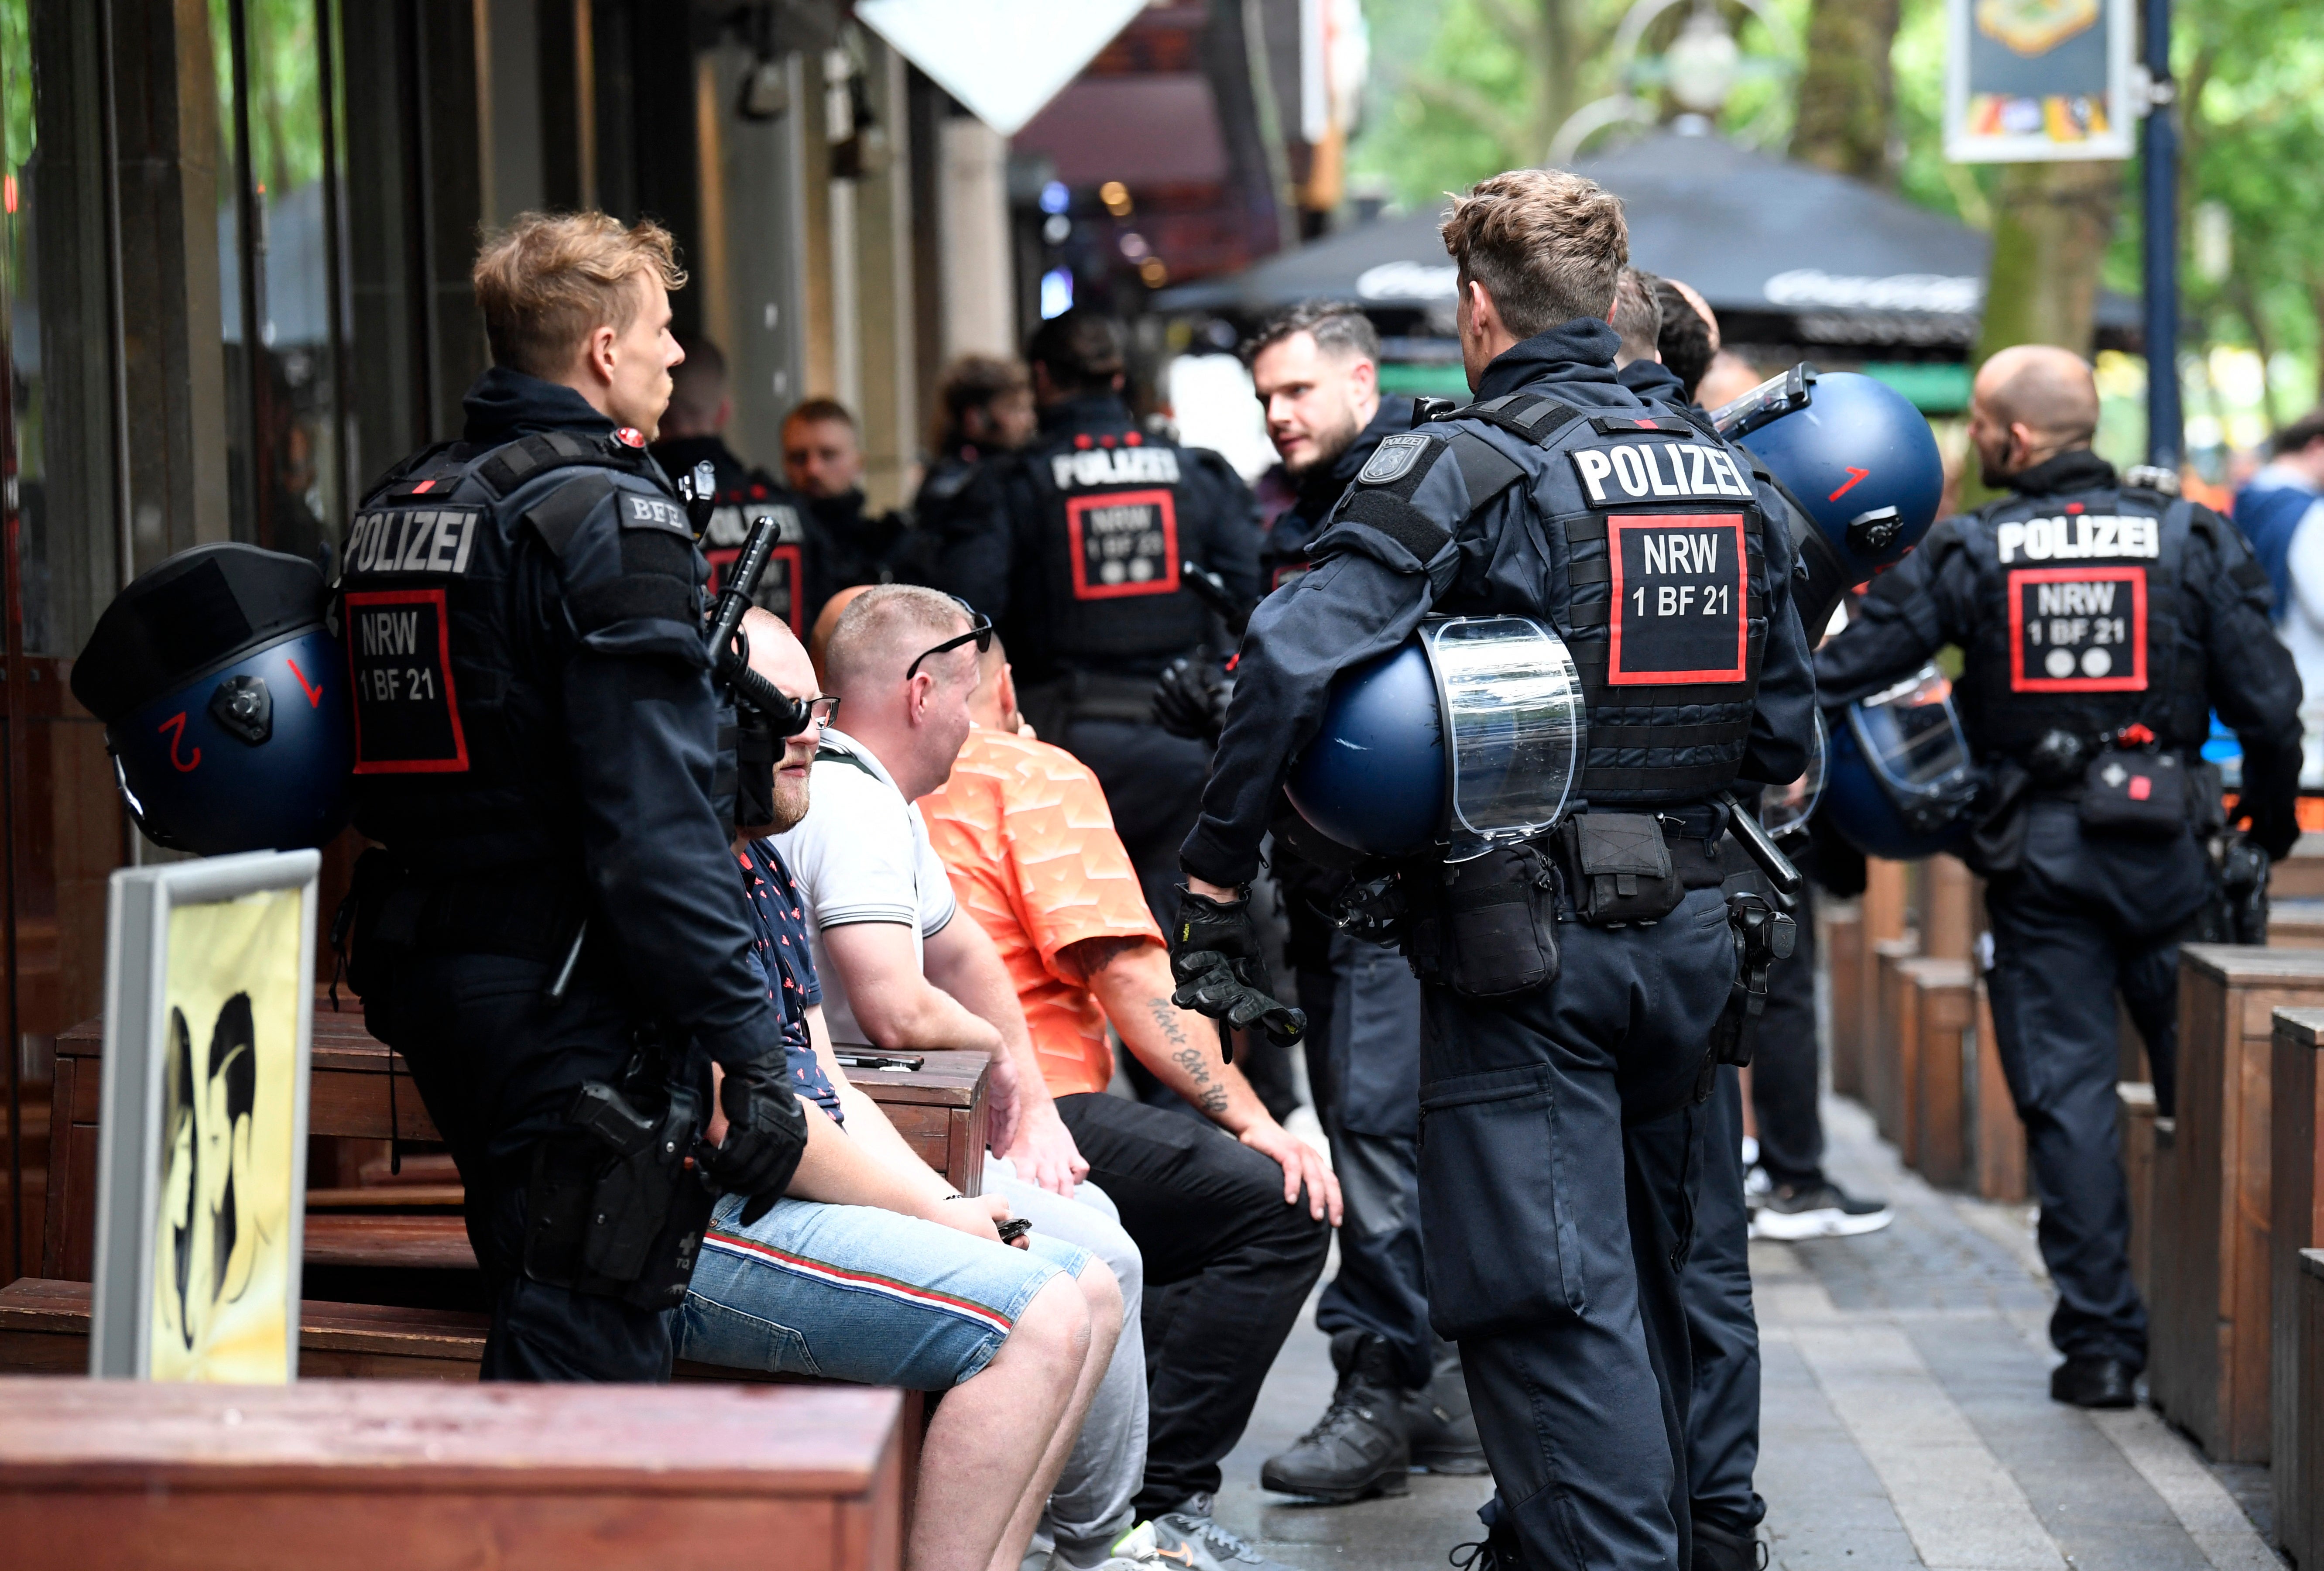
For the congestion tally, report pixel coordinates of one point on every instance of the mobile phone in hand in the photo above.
(1014, 1228)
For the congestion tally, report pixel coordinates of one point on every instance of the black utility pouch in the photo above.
(1621, 869)
(1997, 838)
(1497, 922)
(2139, 794)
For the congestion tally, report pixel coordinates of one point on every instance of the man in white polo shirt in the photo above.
(901, 970)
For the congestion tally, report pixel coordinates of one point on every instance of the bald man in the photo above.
(2102, 625)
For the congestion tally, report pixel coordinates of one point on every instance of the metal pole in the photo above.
(2159, 152)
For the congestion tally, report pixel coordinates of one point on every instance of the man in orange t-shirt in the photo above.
(1237, 1213)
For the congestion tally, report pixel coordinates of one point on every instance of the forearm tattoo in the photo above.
(1210, 1093)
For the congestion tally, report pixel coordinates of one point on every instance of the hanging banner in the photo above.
(2029, 80)
(210, 1004)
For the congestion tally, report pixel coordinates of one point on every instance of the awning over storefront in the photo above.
(1783, 253)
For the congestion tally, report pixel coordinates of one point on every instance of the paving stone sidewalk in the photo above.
(1905, 1420)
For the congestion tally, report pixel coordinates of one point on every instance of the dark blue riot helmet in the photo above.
(1858, 459)
(1386, 775)
(225, 702)
(1900, 782)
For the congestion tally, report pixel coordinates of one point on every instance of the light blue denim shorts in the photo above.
(853, 1293)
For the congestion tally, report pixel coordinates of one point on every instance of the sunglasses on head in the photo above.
(980, 633)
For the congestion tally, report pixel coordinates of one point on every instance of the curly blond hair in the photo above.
(549, 280)
(1547, 245)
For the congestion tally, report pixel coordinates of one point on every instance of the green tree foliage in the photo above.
(1466, 89)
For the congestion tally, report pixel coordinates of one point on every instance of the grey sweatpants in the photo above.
(1089, 1506)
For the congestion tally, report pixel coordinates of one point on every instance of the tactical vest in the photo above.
(453, 746)
(1116, 521)
(1658, 582)
(2082, 620)
(782, 587)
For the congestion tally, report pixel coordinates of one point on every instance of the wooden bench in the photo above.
(1998, 1135)
(2295, 1226)
(361, 1090)
(44, 1330)
(2208, 1362)
(357, 1475)
(2299, 1476)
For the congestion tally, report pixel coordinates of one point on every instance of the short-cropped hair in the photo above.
(1082, 350)
(1638, 314)
(973, 382)
(882, 632)
(550, 279)
(815, 410)
(1547, 245)
(1684, 339)
(1338, 327)
(2308, 428)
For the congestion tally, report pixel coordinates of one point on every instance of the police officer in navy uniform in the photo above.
(2102, 622)
(694, 433)
(987, 404)
(551, 933)
(1076, 547)
(1723, 1330)
(1559, 1118)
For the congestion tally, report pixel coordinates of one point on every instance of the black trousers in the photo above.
(1228, 1266)
(1559, 1160)
(496, 1064)
(1786, 1066)
(1363, 1065)
(2085, 920)
(1723, 1330)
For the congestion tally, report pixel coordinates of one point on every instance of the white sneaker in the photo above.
(1819, 1211)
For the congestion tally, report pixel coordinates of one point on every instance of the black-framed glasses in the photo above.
(817, 711)
(980, 632)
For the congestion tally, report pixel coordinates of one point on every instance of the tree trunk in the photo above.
(1848, 95)
(2050, 232)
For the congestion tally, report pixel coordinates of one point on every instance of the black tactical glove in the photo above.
(1222, 972)
(766, 1135)
(1190, 699)
(2270, 797)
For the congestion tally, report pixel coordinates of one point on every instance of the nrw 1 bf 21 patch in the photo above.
(2078, 630)
(1680, 587)
(1124, 542)
(400, 665)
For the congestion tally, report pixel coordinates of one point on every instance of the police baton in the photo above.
(1787, 879)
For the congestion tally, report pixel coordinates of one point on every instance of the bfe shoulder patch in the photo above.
(1394, 458)
(638, 511)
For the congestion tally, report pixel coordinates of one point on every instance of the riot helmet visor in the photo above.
(1785, 807)
(1514, 720)
(1911, 736)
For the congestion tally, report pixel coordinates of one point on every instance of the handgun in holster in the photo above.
(632, 1199)
(1763, 936)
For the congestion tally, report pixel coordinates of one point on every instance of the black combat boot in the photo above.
(1359, 1447)
(2087, 1380)
(1438, 1424)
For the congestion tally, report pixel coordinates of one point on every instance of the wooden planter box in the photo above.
(423, 1475)
(1890, 1066)
(1998, 1165)
(2134, 1103)
(2208, 1364)
(2301, 875)
(2296, 1225)
(1842, 943)
(1881, 919)
(1937, 1011)
(2299, 1476)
